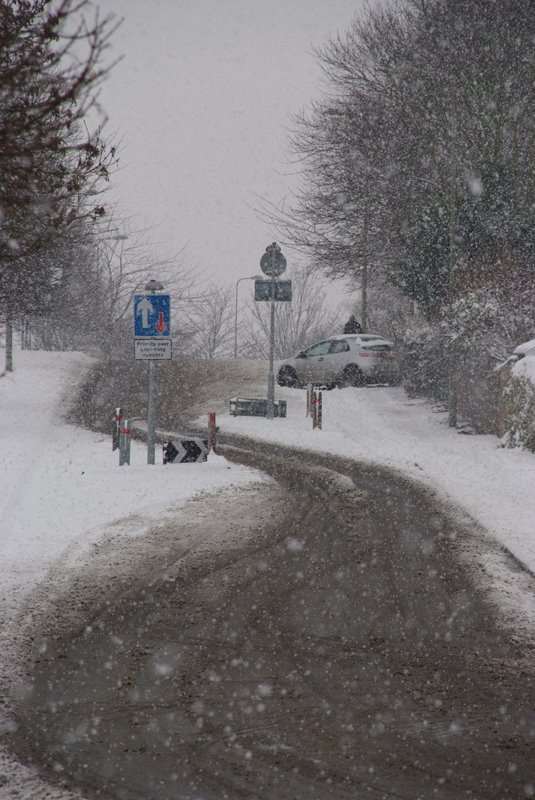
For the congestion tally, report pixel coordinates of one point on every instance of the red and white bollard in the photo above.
(309, 398)
(316, 408)
(125, 437)
(116, 425)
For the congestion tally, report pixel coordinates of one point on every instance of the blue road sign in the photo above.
(152, 315)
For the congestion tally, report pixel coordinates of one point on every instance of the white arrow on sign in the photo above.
(144, 307)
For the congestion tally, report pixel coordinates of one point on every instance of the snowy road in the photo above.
(336, 644)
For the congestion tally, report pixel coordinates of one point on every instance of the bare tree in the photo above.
(52, 166)
(109, 264)
(211, 323)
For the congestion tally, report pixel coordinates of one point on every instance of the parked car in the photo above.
(345, 360)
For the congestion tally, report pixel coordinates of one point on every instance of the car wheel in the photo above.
(352, 376)
(287, 377)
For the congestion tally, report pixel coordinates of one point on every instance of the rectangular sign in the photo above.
(152, 349)
(152, 315)
(283, 290)
(185, 451)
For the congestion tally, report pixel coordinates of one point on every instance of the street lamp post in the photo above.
(248, 278)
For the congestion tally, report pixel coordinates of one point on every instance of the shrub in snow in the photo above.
(424, 364)
(470, 321)
(519, 405)
(518, 401)
(468, 338)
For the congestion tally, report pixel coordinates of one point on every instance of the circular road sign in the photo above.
(273, 262)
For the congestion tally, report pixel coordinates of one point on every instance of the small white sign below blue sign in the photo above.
(152, 315)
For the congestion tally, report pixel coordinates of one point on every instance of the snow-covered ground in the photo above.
(62, 488)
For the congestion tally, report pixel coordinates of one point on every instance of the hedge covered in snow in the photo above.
(519, 406)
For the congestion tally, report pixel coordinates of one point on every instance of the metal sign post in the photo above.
(151, 414)
(152, 323)
(272, 263)
(271, 376)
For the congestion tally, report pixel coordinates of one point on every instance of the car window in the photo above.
(339, 346)
(320, 349)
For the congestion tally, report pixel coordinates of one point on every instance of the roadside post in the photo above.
(151, 414)
(273, 264)
(152, 342)
(116, 425)
(316, 408)
(212, 431)
(309, 399)
(125, 437)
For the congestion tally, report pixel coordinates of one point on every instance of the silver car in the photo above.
(346, 360)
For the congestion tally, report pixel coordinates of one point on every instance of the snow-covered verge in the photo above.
(62, 492)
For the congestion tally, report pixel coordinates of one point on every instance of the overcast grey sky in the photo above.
(201, 102)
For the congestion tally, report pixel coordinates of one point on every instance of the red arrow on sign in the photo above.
(161, 325)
